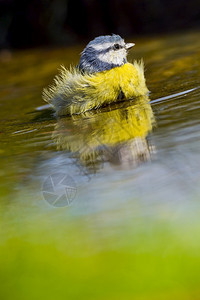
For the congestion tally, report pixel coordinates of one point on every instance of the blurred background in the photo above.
(32, 23)
(133, 228)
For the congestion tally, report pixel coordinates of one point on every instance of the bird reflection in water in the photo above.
(115, 135)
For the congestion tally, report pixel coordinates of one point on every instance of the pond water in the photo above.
(124, 222)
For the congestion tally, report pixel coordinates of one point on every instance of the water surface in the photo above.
(132, 229)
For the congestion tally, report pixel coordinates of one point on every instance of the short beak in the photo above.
(129, 46)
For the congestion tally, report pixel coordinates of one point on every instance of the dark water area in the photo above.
(132, 227)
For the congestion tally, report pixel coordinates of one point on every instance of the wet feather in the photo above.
(73, 92)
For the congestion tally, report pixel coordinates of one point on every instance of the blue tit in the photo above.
(103, 76)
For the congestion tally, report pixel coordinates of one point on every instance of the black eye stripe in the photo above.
(93, 51)
(117, 47)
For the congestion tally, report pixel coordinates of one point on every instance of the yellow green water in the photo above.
(132, 230)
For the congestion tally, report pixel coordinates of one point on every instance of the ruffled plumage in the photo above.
(74, 92)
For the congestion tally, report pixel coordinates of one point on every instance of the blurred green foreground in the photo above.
(132, 231)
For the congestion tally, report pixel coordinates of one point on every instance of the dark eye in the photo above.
(116, 47)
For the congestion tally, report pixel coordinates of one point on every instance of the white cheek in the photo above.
(118, 56)
(114, 57)
(105, 57)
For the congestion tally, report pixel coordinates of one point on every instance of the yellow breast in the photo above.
(128, 78)
(77, 93)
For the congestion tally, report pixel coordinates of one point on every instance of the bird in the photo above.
(103, 76)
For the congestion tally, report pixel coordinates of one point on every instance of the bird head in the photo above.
(104, 53)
